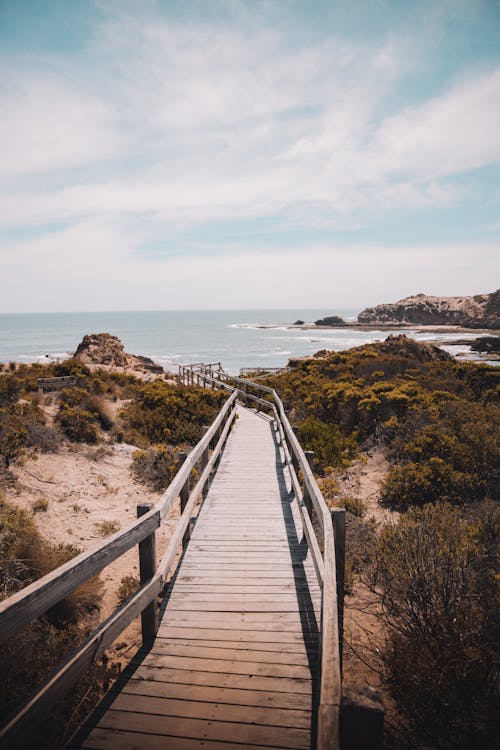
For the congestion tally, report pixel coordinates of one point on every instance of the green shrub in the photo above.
(156, 467)
(77, 424)
(163, 413)
(330, 447)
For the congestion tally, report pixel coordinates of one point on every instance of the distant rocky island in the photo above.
(480, 311)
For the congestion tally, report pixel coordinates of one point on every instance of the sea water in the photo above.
(236, 338)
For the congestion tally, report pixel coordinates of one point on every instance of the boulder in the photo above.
(106, 349)
(330, 320)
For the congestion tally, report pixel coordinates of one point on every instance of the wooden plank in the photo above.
(218, 694)
(252, 655)
(117, 739)
(205, 730)
(290, 649)
(242, 607)
(262, 635)
(211, 711)
(225, 680)
(229, 666)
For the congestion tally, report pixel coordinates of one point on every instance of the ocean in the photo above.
(236, 338)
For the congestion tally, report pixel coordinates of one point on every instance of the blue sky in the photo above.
(222, 154)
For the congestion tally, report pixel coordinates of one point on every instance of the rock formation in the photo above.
(480, 311)
(330, 320)
(108, 350)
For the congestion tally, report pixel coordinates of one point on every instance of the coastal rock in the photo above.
(330, 320)
(108, 350)
(299, 323)
(480, 311)
(487, 344)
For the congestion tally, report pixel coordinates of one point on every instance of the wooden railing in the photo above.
(329, 564)
(38, 597)
(55, 384)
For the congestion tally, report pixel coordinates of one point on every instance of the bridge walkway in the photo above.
(235, 658)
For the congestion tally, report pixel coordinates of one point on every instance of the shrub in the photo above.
(43, 438)
(166, 414)
(352, 504)
(77, 424)
(330, 447)
(128, 586)
(106, 528)
(41, 505)
(437, 572)
(28, 657)
(12, 434)
(156, 467)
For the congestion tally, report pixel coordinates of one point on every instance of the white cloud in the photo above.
(48, 124)
(92, 266)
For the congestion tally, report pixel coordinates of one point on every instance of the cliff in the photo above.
(108, 350)
(480, 311)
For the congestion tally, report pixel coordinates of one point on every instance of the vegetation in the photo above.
(162, 413)
(439, 418)
(28, 657)
(437, 573)
(157, 466)
(434, 572)
(128, 586)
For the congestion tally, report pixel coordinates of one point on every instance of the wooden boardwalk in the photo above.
(235, 658)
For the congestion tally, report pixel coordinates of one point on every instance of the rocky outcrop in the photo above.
(487, 344)
(480, 311)
(330, 320)
(105, 349)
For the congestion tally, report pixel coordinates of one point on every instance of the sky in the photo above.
(224, 154)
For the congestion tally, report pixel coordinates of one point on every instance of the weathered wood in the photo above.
(147, 569)
(221, 695)
(13, 735)
(184, 497)
(39, 596)
(338, 520)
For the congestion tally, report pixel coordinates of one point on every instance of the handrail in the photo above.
(38, 597)
(330, 690)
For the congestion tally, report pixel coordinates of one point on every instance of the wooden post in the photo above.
(184, 497)
(147, 569)
(294, 459)
(307, 500)
(338, 521)
(361, 718)
(204, 455)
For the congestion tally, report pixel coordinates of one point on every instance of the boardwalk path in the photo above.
(234, 661)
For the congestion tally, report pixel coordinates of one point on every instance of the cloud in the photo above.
(93, 266)
(47, 124)
(166, 129)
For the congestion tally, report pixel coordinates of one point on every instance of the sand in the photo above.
(86, 486)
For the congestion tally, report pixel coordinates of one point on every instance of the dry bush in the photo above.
(43, 438)
(34, 651)
(128, 586)
(437, 573)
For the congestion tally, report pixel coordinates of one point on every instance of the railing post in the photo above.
(147, 569)
(307, 500)
(338, 521)
(204, 455)
(294, 459)
(184, 497)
